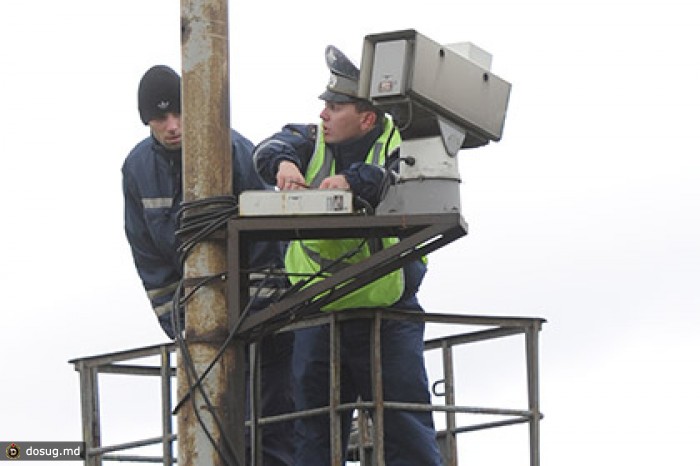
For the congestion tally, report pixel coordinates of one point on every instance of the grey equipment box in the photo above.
(295, 202)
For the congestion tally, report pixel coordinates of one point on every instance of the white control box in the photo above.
(295, 202)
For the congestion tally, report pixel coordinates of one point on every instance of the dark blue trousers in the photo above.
(409, 436)
(275, 398)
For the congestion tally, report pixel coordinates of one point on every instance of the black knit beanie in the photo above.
(159, 93)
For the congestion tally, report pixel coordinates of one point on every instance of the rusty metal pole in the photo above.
(210, 425)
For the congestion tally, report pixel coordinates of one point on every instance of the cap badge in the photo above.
(330, 55)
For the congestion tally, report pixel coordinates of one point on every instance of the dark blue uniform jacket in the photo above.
(152, 185)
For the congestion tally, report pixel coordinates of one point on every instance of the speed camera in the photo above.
(420, 83)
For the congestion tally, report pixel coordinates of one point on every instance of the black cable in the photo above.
(229, 458)
(226, 343)
(409, 119)
(314, 302)
(209, 216)
(198, 220)
(322, 270)
(365, 204)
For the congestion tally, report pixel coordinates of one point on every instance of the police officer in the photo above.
(348, 149)
(152, 185)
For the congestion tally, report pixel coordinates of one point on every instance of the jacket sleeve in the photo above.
(159, 275)
(294, 143)
(368, 182)
(245, 177)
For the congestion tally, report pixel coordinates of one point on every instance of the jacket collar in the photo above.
(174, 156)
(359, 145)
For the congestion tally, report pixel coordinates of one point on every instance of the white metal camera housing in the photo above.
(442, 99)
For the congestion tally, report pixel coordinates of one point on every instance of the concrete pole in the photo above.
(208, 433)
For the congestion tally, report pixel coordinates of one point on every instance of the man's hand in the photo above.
(335, 182)
(289, 176)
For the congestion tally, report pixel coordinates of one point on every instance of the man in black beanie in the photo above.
(152, 185)
(159, 106)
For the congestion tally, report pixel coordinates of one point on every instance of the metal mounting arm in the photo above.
(419, 235)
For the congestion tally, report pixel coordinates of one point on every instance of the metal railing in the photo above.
(90, 368)
(366, 446)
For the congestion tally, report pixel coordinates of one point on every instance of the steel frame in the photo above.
(367, 448)
(420, 235)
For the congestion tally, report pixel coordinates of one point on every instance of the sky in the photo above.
(585, 214)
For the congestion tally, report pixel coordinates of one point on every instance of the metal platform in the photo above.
(366, 447)
(419, 235)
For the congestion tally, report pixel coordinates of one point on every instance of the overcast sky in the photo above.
(586, 213)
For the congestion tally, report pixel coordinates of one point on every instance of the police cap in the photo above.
(345, 76)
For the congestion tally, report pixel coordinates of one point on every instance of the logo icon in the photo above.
(12, 451)
(163, 104)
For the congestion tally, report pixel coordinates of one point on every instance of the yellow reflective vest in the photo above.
(306, 258)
